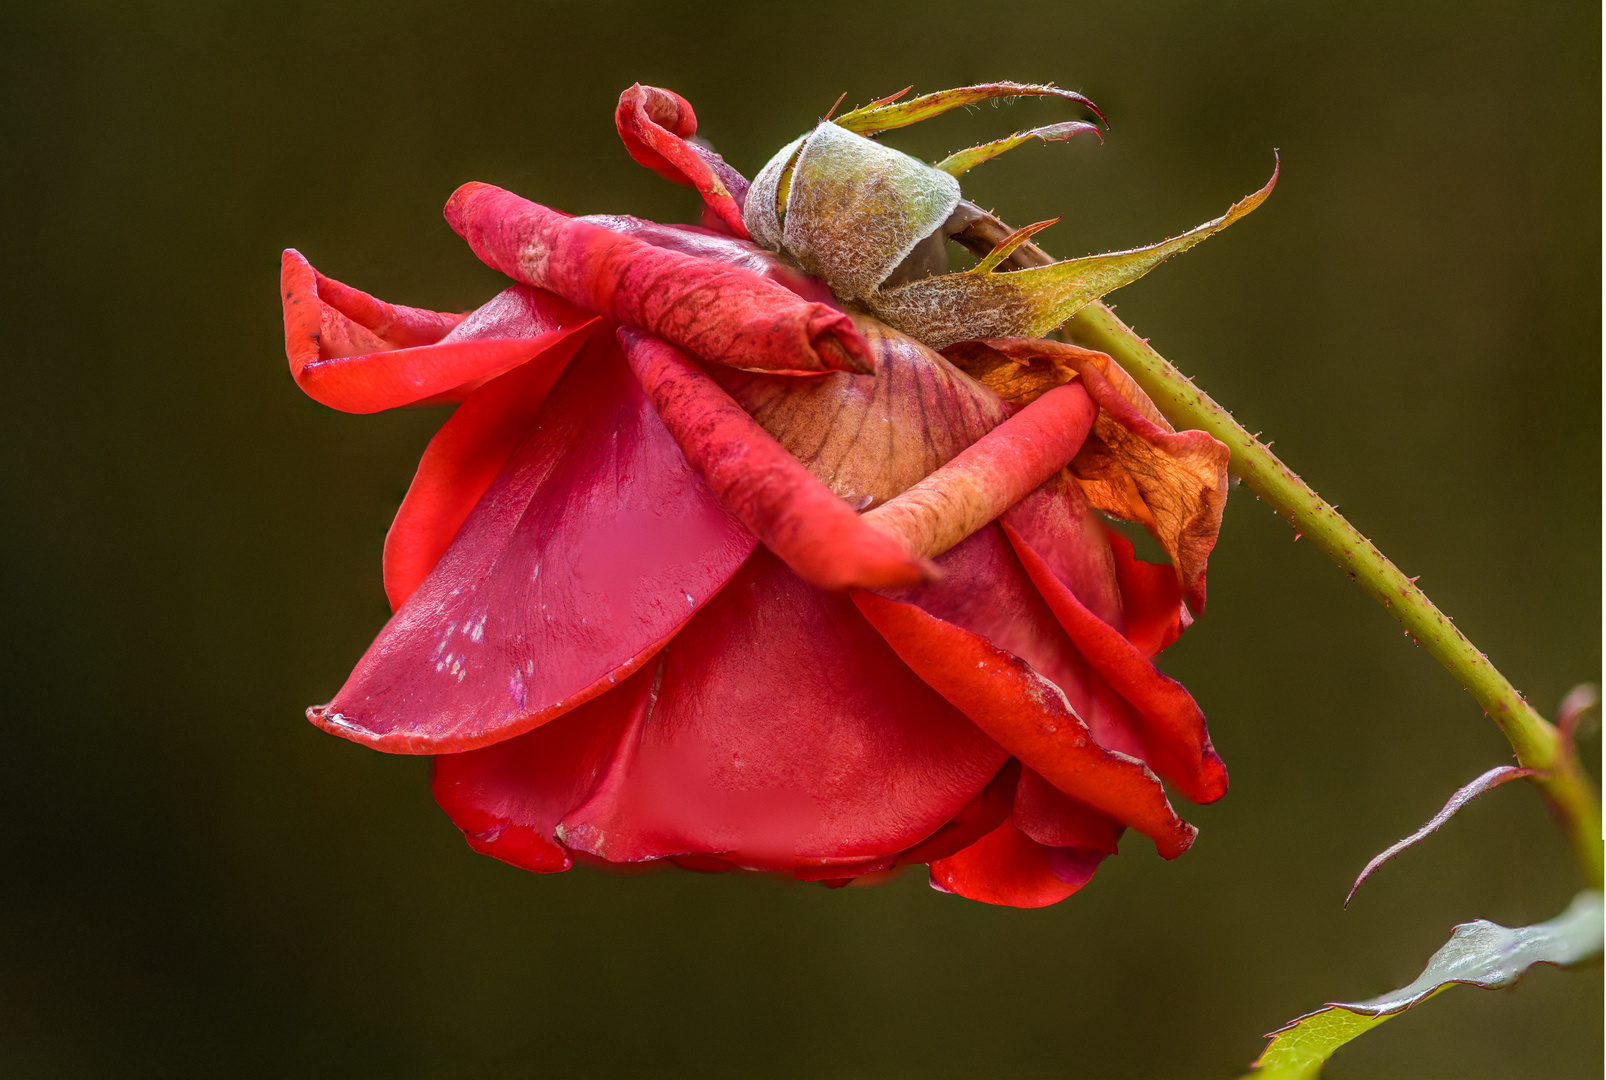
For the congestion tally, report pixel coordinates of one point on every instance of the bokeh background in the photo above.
(193, 881)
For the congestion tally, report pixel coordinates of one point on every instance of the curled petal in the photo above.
(509, 798)
(593, 546)
(461, 461)
(1009, 868)
(888, 113)
(870, 437)
(1152, 612)
(1134, 466)
(979, 817)
(941, 310)
(1173, 728)
(1054, 819)
(657, 126)
(990, 476)
(718, 247)
(1028, 716)
(838, 764)
(797, 517)
(352, 352)
(721, 313)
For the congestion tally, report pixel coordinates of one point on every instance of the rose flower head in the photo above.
(720, 562)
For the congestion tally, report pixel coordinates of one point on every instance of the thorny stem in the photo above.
(1536, 741)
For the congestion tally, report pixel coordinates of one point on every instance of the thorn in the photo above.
(1297, 535)
(1414, 580)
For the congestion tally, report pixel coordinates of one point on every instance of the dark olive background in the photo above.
(197, 882)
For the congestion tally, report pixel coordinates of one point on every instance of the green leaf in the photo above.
(1478, 953)
(962, 161)
(884, 115)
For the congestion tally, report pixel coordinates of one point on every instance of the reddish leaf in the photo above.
(1491, 779)
(591, 549)
(796, 516)
(723, 314)
(352, 352)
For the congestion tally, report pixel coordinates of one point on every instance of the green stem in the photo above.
(1536, 741)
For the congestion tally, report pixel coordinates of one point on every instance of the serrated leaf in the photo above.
(1479, 953)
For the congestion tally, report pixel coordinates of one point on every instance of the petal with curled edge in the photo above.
(814, 531)
(657, 126)
(990, 475)
(944, 309)
(461, 461)
(784, 733)
(509, 797)
(1173, 729)
(869, 438)
(722, 313)
(1008, 868)
(593, 546)
(1152, 612)
(1028, 716)
(1133, 466)
(352, 352)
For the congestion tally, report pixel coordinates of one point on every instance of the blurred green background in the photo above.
(196, 882)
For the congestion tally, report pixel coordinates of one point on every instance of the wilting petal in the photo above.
(1009, 868)
(1028, 716)
(784, 732)
(718, 247)
(657, 126)
(1134, 466)
(871, 437)
(941, 310)
(461, 461)
(721, 313)
(1173, 728)
(352, 352)
(796, 516)
(591, 549)
(990, 476)
(508, 798)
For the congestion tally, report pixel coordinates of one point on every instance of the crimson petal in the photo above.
(508, 798)
(1173, 728)
(1153, 614)
(1029, 717)
(1009, 868)
(779, 500)
(461, 461)
(591, 549)
(722, 313)
(657, 126)
(785, 734)
(352, 352)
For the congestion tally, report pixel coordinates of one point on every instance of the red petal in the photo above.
(991, 475)
(1151, 598)
(1056, 820)
(656, 126)
(1029, 717)
(358, 354)
(591, 549)
(718, 247)
(785, 733)
(984, 589)
(779, 500)
(509, 798)
(1072, 538)
(1008, 868)
(980, 816)
(721, 313)
(461, 461)
(1173, 728)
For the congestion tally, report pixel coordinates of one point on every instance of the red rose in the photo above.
(712, 565)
